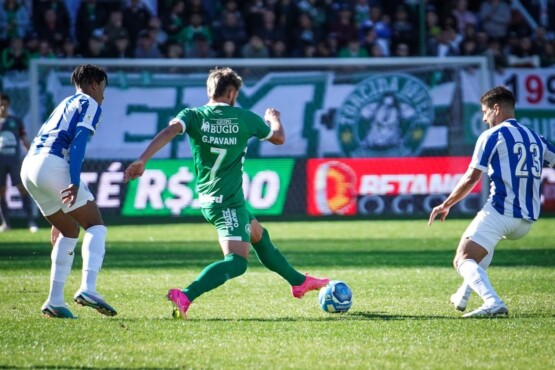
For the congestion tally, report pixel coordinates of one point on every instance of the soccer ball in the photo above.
(335, 297)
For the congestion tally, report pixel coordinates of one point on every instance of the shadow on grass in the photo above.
(350, 316)
(389, 253)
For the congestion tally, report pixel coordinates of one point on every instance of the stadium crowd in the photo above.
(270, 28)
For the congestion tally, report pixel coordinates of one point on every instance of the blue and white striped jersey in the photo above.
(57, 133)
(513, 157)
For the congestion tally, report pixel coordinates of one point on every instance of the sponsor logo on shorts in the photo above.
(230, 217)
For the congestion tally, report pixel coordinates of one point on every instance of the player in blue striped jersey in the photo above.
(51, 174)
(513, 156)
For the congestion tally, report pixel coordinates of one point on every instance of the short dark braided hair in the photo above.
(87, 74)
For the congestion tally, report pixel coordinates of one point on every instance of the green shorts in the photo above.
(231, 223)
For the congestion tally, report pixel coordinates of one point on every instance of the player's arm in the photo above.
(77, 150)
(137, 168)
(464, 186)
(23, 137)
(273, 117)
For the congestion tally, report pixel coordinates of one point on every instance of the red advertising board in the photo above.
(336, 186)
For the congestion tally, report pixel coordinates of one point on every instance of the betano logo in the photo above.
(335, 189)
(385, 115)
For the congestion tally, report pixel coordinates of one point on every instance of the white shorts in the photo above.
(45, 176)
(489, 227)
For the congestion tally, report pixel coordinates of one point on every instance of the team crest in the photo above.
(386, 115)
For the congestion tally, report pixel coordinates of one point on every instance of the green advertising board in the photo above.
(167, 188)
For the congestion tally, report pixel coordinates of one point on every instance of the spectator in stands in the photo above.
(343, 27)
(305, 33)
(403, 31)
(230, 7)
(231, 29)
(159, 36)
(494, 17)
(286, 14)
(463, 16)
(361, 12)
(120, 46)
(45, 50)
(548, 55)
(518, 24)
(255, 48)
(229, 50)
(90, 17)
(201, 48)
(382, 26)
(198, 7)
(525, 55)
(269, 33)
(401, 50)
(135, 18)
(114, 29)
(353, 50)
(442, 45)
(496, 52)
(377, 51)
(254, 15)
(14, 20)
(96, 46)
(15, 57)
(368, 38)
(432, 22)
(174, 21)
(32, 43)
(175, 51)
(68, 49)
(58, 6)
(196, 26)
(52, 30)
(146, 47)
(279, 50)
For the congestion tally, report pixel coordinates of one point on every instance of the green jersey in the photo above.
(219, 135)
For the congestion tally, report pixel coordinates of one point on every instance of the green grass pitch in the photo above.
(400, 273)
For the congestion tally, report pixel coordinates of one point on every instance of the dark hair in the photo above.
(87, 74)
(220, 79)
(498, 95)
(4, 97)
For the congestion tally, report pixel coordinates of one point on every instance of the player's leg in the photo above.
(39, 179)
(232, 225)
(478, 241)
(4, 211)
(28, 208)
(62, 260)
(460, 298)
(93, 249)
(274, 260)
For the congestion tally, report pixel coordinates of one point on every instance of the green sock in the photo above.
(273, 260)
(216, 274)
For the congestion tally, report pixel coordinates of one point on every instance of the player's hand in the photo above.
(439, 210)
(272, 114)
(134, 170)
(69, 195)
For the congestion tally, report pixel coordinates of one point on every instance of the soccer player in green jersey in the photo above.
(218, 134)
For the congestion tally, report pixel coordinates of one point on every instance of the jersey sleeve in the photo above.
(90, 115)
(549, 156)
(184, 117)
(483, 151)
(259, 128)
